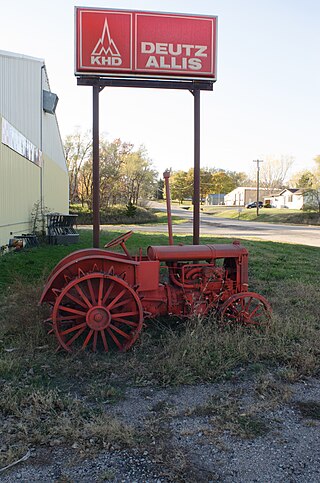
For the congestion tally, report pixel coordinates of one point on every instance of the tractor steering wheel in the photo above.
(119, 240)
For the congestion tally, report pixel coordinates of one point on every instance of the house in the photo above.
(243, 195)
(293, 198)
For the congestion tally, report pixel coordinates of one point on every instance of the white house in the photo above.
(293, 198)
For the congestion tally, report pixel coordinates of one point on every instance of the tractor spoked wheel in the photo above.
(97, 311)
(245, 309)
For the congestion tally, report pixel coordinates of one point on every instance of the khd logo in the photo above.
(106, 51)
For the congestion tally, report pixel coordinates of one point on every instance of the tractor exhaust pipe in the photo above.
(166, 176)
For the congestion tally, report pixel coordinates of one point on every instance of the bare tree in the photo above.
(78, 149)
(273, 172)
(112, 158)
(138, 176)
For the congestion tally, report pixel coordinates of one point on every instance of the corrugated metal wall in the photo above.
(51, 141)
(21, 82)
(55, 187)
(20, 94)
(19, 190)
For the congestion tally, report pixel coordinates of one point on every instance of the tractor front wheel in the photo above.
(95, 311)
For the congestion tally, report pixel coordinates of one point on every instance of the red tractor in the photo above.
(100, 298)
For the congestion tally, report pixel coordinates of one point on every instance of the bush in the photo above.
(131, 209)
(114, 215)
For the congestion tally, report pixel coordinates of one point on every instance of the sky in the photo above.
(265, 103)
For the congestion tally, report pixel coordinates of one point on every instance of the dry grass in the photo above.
(200, 351)
(226, 414)
(47, 417)
(21, 319)
(33, 411)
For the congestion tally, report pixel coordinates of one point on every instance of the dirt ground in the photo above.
(251, 429)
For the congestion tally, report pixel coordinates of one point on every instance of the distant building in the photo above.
(243, 195)
(32, 163)
(293, 198)
(215, 199)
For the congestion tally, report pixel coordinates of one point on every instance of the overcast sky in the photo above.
(266, 101)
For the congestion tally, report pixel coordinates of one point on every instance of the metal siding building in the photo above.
(27, 177)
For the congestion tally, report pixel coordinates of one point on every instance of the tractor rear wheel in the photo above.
(97, 311)
(245, 309)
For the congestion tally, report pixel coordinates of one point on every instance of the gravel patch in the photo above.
(252, 430)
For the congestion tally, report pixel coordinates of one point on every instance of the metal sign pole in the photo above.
(96, 168)
(166, 176)
(196, 173)
(100, 83)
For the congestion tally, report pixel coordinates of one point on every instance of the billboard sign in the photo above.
(144, 44)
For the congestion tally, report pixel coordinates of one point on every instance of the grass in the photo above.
(59, 399)
(44, 416)
(163, 219)
(270, 215)
(268, 261)
(225, 414)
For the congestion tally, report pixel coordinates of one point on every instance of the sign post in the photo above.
(196, 171)
(124, 48)
(95, 167)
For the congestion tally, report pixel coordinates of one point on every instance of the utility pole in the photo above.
(258, 161)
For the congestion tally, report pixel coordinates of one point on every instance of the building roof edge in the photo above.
(6, 53)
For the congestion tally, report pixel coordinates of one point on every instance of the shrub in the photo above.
(131, 209)
(114, 215)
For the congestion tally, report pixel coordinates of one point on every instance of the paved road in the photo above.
(226, 227)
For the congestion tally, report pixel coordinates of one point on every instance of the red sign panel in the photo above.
(145, 44)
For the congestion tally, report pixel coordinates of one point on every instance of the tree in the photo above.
(306, 180)
(301, 179)
(241, 179)
(112, 158)
(312, 195)
(206, 177)
(222, 183)
(205, 182)
(138, 176)
(316, 172)
(309, 180)
(273, 172)
(78, 150)
(316, 159)
(159, 189)
(180, 186)
(312, 199)
(125, 175)
(212, 180)
(85, 183)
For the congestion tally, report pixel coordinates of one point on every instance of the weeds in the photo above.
(226, 414)
(169, 352)
(47, 416)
